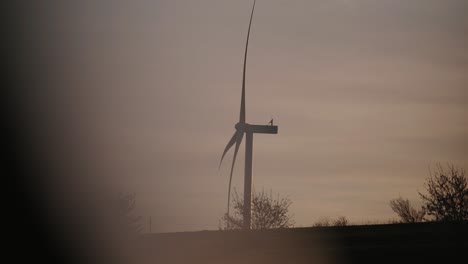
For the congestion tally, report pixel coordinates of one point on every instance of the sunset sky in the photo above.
(367, 95)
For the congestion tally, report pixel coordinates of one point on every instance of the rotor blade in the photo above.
(240, 135)
(228, 146)
(242, 110)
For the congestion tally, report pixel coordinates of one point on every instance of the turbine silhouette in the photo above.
(244, 128)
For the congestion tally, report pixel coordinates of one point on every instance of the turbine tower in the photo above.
(244, 128)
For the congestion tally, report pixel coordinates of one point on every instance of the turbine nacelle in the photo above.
(261, 129)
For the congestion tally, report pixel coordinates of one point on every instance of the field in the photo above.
(396, 243)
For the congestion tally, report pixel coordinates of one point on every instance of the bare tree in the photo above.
(406, 212)
(126, 208)
(325, 222)
(322, 222)
(447, 198)
(341, 221)
(267, 212)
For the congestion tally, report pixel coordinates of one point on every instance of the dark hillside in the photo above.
(398, 243)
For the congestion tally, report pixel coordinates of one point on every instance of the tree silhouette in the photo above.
(267, 212)
(126, 208)
(447, 198)
(341, 221)
(406, 212)
(326, 222)
(322, 222)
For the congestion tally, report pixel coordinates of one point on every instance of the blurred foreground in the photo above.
(396, 243)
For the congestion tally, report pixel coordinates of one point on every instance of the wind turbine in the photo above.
(245, 128)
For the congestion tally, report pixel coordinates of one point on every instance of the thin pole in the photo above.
(248, 181)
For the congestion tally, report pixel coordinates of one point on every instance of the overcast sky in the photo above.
(366, 94)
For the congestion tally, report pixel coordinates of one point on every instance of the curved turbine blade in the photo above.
(239, 136)
(228, 146)
(242, 110)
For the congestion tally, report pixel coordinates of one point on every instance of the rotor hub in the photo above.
(241, 126)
